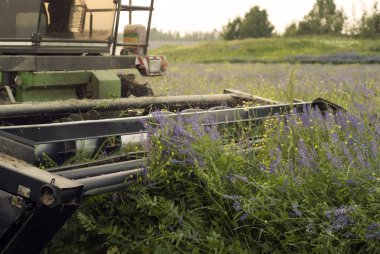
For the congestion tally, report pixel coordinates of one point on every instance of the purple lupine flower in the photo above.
(372, 190)
(305, 116)
(243, 217)
(296, 212)
(276, 163)
(242, 178)
(263, 167)
(374, 236)
(310, 229)
(340, 222)
(346, 152)
(349, 235)
(145, 170)
(334, 137)
(341, 120)
(178, 162)
(373, 232)
(307, 158)
(351, 182)
(335, 160)
(237, 206)
(361, 157)
(317, 114)
(232, 197)
(290, 120)
(279, 117)
(372, 178)
(366, 91)
(237, 201)
(339, 217)
(233, 178)
(211, 128)
(194, 123)
(355, 122)
(377, 129)
(297, 181)
(115, 197)
(374, 149)
(179, 129)
(373, 227)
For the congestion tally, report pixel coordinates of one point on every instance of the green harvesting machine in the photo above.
(68, 87)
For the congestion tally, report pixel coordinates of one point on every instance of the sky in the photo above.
(206, 15)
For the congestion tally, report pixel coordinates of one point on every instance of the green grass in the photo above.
(267, 49)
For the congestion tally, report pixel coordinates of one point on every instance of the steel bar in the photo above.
(102, 169)
(116, 31)
(136, 8)
(75, 106)
(110, 159)
(31, 141)
(108, 189)
(130, 13)
(59, 133)
(124, 44)
(251, 97)
(148, 28)
(18, 178)
(102, 181)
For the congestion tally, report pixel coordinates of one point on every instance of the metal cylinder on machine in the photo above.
(134, 34)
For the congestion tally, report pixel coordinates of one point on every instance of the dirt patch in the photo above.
(13, 161)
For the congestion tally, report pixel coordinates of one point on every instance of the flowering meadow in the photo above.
(296, 183)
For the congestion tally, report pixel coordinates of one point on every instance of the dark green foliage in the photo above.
(159, 35)
(323, 19)
(369, 26)
(156, 34)
(291, 30)
(255, 24)
(231, 31)
(311, 188)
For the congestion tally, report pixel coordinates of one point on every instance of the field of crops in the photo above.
(274, 50)
(346, 85)
(311, 185)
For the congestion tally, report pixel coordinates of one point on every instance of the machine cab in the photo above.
(56, 26)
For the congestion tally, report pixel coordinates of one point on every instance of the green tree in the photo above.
(291, 30)
(231, 31)
(256, 24)
(369, 26)
(324, 18)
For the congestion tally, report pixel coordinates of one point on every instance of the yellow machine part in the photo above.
(134, 34)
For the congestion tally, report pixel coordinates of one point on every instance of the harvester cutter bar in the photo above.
(230, 98)
(37, 202)
(29, 141)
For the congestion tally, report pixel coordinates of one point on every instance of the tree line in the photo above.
(159, 35)
(323, 19)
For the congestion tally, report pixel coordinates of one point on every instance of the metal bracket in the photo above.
(10, 94)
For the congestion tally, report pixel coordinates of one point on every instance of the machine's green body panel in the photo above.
(104, 85)
(63, 85)
(50, 78)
